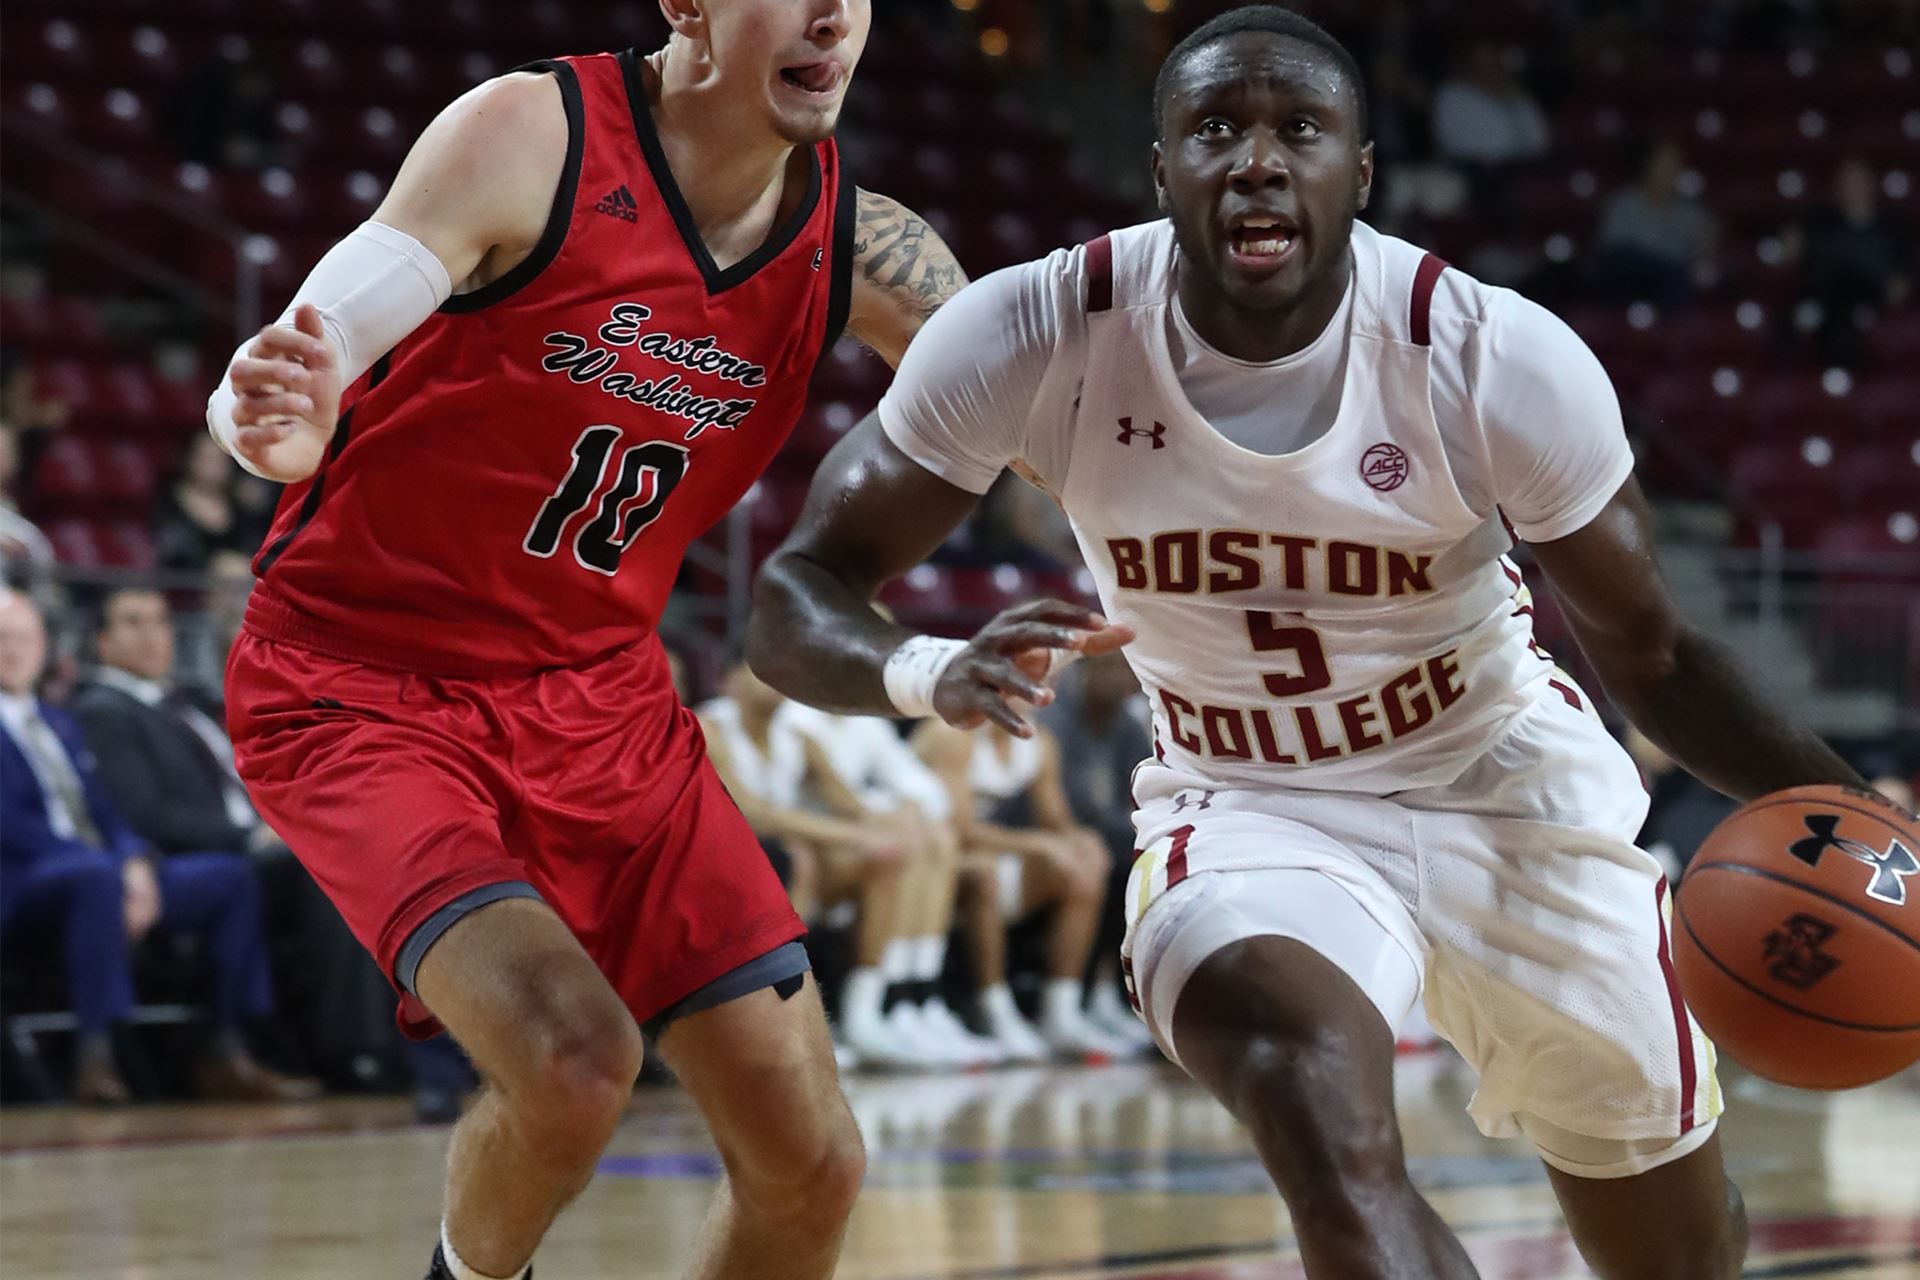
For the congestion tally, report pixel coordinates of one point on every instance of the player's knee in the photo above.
(1287, 1086)
(810, 1183)
(577, 1077)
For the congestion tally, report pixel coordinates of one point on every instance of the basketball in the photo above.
(1797, 937)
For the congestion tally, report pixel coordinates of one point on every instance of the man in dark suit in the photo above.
(167, 762)
(70, 864)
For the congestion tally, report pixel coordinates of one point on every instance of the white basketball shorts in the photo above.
(1514, 897)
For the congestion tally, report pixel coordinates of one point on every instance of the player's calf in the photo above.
(1683, 1220)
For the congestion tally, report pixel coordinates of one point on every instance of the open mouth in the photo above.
(820, 79)
(1261, 241)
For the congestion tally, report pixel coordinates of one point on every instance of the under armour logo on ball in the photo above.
(1890, 869)
(1128, 431)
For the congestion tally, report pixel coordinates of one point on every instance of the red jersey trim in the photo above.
(559, 217)
(718, 280)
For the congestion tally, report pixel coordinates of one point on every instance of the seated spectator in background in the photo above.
(1856, 257)
(1483, 117)
(21, 541)
(167, 763)
(1099, 719)
(1654, 243)
(834, 859)
(895, 789)
(33, 418)
(194, 516)
(1681, 811)
(1010, 872)
(68, 860)
(1883, 773)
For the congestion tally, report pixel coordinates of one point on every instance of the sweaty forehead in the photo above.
(1258, 60)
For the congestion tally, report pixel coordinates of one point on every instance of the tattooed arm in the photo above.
(902, 272)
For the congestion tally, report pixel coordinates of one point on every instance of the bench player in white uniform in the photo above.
(1286, 444)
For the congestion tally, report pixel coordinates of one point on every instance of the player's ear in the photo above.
(687, 17)
(1366, 176)
(1160, 182)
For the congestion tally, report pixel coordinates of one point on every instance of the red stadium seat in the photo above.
(74, 543)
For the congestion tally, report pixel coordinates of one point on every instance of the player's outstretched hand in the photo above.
(1008, 660)
(287, 390)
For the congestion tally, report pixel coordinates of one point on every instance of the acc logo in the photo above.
(1794, 954)
(1128, 431)
(1890, 869)
(1384, 467)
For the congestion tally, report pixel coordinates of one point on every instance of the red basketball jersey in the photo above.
(514, 486)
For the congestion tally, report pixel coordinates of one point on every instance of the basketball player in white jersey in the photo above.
(1286, 444)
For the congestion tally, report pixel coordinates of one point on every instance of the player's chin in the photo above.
(803, 127)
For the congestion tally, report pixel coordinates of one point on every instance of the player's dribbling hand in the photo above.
(1008, 660)
(287, 389)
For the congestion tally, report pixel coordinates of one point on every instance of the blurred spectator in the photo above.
(168, 766)
(1012, 870)
(896, 789)
(836, 857)
(194, 517)
(1654, 243)
(223, 114)
(20, 539)
(1682, 810)
(1100, 719)
(72, 863)
(1856, 257)
(1483, 117)
(31, 418)
(205, 636)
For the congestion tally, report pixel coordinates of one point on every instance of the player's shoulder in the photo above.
(1462, 313)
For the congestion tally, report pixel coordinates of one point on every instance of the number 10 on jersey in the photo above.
(643, 480)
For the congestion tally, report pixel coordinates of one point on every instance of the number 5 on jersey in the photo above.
(643, 480)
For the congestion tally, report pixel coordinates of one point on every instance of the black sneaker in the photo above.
(440, 1271)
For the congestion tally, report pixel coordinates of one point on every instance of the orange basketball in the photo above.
(1797, 937)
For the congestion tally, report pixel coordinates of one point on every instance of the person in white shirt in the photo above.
(788, 790)
(1292, 450)
(895, 790)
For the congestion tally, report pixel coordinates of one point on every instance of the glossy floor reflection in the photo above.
(1048, 1174)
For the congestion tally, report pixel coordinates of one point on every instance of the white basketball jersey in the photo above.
(1340, 617)
(774, 776)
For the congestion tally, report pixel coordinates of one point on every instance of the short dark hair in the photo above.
(1274, 20)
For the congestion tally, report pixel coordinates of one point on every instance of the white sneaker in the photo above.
(974, 1050)
(1077, 1036)
(909, 1023)
(1110, 1013)
(879, 1044)
(1016, 1036)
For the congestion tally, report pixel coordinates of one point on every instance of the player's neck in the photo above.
(758, 722)
(730, 169)
(1260, 336)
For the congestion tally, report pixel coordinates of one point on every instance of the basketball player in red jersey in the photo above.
(573, 335)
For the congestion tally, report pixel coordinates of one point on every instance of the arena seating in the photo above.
(1731, 391)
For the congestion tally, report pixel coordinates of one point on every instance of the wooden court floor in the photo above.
(1045, 1174)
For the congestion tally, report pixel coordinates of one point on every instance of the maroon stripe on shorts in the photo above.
(1177, 856)
(1100, 274)
(1682, 1033)
(1424, 278)
(1567, 692)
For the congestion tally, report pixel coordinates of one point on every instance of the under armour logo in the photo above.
(1890, 869)
(1128, 431)
(1793, 951)
(1180, 801)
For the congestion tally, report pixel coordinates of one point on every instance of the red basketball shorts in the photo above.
(412, 798)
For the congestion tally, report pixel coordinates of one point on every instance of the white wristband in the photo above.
(914, 669)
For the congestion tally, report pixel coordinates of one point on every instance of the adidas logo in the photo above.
(619, 203)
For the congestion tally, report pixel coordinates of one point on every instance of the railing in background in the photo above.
(55, 153)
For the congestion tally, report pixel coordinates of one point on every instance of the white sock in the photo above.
(896, 960)
(864, 996)
(461, 1271)
(997, 1001)
(1060, 1001)
(929, 957)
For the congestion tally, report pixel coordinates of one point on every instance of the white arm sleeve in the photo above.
(373, 289)
(972, 393)
(1550, 418)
